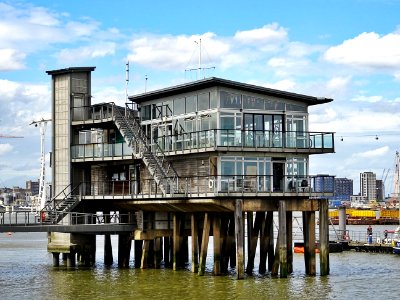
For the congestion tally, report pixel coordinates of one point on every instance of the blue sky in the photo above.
(348, 50)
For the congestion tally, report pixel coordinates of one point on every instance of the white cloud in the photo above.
(11, 59)
(264, 35)
(5, 148)
(367, 50)
(176, 52)
(338, 83)
(93, 51)
(284, 85)
(372, 153)
(369, 99)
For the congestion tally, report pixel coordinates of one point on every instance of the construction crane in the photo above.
(42, 124)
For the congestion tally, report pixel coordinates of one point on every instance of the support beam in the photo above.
(282, 239)
(195, 243)
(124, 249)
(289, 229)
(217, 243)
(324, 237)
(260, 218)
(204, 244)
(138, 248)
(56, 259)
(108, 255)
(239, 232)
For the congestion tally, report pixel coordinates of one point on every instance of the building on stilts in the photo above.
(212, 157)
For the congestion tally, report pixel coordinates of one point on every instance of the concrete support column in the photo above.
(108, 255)
(342, 220)
(309, 242)
(239, 233)
(56, 259)
(324, 237)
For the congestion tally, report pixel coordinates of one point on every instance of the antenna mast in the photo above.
(42, 124)
(126, 85)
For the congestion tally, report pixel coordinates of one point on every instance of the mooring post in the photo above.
(282, 239)
(217, 243)
(239, 232)
(195, 243)
(204, 244)
(324, 237)
(108, 255)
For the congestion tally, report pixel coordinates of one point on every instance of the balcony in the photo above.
(239, 140)
(214, 186)
(101, 151)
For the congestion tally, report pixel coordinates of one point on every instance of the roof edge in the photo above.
(70, 70)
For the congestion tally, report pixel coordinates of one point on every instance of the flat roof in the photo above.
(70, 70)
(214, 81)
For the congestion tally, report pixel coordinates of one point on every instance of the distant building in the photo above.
(368, 185)
(33, 187)
(324, 182)
(380, 190)
(343, 189)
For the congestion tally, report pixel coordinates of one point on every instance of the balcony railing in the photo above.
(215, 138)
(101, 150)
(201, 186)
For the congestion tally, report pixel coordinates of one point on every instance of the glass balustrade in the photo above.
(100, 150)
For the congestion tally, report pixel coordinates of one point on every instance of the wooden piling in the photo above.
(225, 248)
(276, 262)
(289, 246)
(231, 240)
(71, 259)
(167, 251)
(264, 241)
(217, 243)
(177, 241)
(324, 237)
(157, 252)
(145, 254)
(309, 242)
(195, 243)
(204, 244)
(270, 229)
(239, 232)
(124, 249)
(138, 249)
(56, 259)
(108, 255)
(282, 239)
(260, 218)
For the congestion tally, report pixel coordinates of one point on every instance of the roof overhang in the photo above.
(70, 70)
(214, 81)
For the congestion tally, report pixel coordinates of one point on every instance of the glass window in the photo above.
(250, 102)
(179, 106)
(227, 121)
(213, 99)
(191, 104)
(145, 112)
(294, 107)
(203, 101)
(230, 100)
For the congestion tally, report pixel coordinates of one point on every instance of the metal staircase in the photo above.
(56, 209)
(160, 168)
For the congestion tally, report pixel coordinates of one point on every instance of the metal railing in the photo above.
(200, 186)
(23, 218)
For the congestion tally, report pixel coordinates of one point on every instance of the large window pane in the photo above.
(252, 102)
(230, 100)
(179, 106)
(191, 104)
(203, 101)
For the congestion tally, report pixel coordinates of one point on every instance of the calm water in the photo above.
(26, 272)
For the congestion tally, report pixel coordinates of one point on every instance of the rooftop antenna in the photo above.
(126, 85)
(199, 67)
(42, 124)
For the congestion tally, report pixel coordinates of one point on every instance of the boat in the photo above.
(396, 241)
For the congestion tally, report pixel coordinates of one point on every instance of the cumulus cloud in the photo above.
(373, 153)
(369, 99)
(175, 52)
(11, 59)
(260, 36)
(367, 50)
(5, 148)
(92, 51)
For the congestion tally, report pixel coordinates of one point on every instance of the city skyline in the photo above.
(318, 49)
